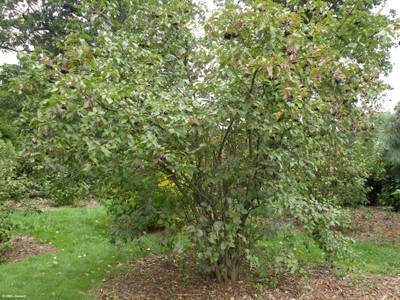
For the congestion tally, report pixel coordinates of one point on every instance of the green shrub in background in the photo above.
(145, 204)
(6, 225)
(66, 189)
(55, 182)
(394, 200)
(7, 131)
(11, 186)
(8, 158)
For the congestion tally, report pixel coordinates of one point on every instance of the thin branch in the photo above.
(345, 19)
(99, 103)
(253, 80)
(7, 48)
(221, 148)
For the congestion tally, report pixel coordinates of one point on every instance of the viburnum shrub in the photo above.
(239, 116)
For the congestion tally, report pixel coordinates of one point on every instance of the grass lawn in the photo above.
(370, 257)
(378, 259)
(83, 259)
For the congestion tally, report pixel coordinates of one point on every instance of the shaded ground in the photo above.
(41, 204)
(171, 277)
(376, 225)
(23, 247)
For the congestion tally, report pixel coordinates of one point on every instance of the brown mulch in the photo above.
(168, 277)
(23, 247)
(376, 225)
(172, 277)
(323, 284)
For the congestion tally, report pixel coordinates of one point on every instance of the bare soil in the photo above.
(23, 247)
(376, 225)
(174, 277)
(42, 204)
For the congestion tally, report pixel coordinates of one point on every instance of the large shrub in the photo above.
(239, 118)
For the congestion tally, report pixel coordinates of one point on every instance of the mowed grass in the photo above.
(378, 259)
(368, 257)
(83, 259)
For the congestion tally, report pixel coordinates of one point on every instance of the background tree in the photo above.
(388, 152)
(42, 26)
(26, 25)
(10, 104)
(390, 139)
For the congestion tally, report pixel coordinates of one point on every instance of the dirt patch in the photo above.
(25, 246)
(40, 204)
(92, 203)
(376, 225)
(171, 277)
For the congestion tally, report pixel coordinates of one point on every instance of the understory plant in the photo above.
(6, 226)
(144, 204)
(12, 186)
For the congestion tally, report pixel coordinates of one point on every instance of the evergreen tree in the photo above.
(27, 25)
(390, 139)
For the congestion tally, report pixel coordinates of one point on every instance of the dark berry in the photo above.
(64, 70)
(227, 35)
